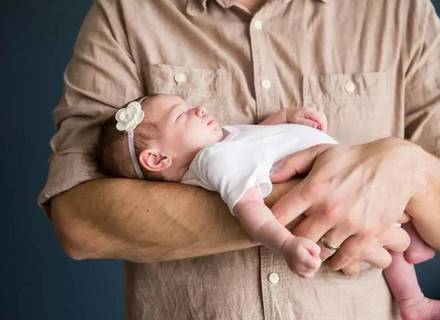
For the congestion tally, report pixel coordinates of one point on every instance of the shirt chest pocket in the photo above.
(196, 85)
(358, 106)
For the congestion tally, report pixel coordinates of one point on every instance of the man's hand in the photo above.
(351, 195)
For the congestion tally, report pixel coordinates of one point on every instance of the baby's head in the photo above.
(165, 141)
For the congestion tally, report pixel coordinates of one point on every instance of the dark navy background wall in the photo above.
(37, 281)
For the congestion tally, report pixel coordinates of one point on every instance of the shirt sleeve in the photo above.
(100, 77)
(422, 78)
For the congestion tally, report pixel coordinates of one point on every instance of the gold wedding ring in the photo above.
(329, 245)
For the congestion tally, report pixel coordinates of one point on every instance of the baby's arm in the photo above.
(302, 255)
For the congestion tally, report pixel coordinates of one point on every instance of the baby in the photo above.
(181, 143)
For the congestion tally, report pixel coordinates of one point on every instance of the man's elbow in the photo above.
(69, 242)
(72, 250)
(71, 234)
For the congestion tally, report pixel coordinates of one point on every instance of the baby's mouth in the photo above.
(210, 121)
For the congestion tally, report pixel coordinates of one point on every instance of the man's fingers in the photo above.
(395, 239)
(372, 250)
(291, 205)
(297, 163)
(377, 256)
(404, 218)
(333, 238)
(313, 227)
(352, 269)
(356, 249)
(348, 253)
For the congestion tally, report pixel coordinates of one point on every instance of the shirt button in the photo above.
(274, 278)
(258, 24)
(266, 84)
(350, 86)
(180, 77)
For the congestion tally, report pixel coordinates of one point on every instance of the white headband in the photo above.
(127, 119)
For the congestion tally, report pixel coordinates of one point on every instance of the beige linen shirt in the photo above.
(372, 66)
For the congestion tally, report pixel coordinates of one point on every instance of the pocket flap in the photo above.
(183, 81)
(346, 86)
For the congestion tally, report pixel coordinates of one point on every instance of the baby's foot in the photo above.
(302, 256)
(420, 309)
(420, 255)
(418, 251)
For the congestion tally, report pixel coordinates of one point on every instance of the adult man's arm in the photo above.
(424, 207)
(147, 221)
(350, 203)
(156, 221)
(422, 117)
(120, 218)
(98, 218)
(353, 192)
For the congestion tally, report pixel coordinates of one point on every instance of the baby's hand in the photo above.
(302, 256)
(307, 116)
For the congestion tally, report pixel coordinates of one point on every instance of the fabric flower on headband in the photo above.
(129, 117)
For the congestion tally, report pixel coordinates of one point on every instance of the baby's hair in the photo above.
(113, 154)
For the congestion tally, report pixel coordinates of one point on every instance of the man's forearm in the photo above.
(424, 207)
(146, 221)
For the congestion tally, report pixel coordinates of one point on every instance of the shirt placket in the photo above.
(263, 66)
(274, 285)
(273, 269)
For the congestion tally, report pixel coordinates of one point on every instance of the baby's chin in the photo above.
(221, 133)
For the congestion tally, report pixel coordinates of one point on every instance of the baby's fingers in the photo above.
(308, 122)
(306, 269)
(317, 117)
(309, 257)
(312, 248)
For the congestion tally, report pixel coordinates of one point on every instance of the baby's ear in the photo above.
(153, 160)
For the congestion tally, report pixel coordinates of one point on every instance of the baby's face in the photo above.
(183, 128)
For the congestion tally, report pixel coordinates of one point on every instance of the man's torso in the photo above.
(342, 57)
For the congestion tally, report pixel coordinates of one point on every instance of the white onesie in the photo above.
(246, 156)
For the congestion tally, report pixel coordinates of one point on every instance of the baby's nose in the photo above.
(200, 111)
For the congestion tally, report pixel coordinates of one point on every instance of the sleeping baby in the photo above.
(163, 138)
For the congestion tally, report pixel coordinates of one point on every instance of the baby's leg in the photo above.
(402, 280)
(418, 250)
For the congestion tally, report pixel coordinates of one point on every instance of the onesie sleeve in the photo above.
(232, 173)
(196, 174)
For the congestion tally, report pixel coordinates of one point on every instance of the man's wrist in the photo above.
(415, 163)
(424, 206)
(421, 173)
(425, 177)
